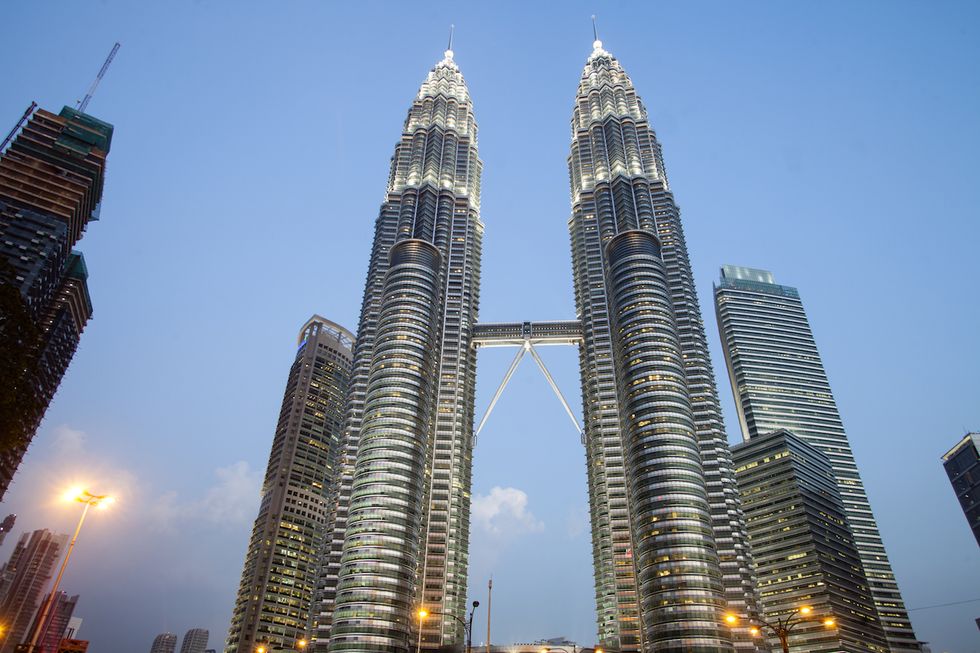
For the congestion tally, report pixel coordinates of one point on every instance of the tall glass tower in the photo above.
(779, 382)
(282, 564)
(669, 544)
(401, 522)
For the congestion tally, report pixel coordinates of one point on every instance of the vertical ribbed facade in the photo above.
(803, 550)
(279, 578)
(618, 186)
(400, 516)
(779, 382)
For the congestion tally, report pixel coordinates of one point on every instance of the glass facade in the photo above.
(281, 570)
(803, 550)
(669, 544)
(779, 382)
(399, 519)
(962, 465)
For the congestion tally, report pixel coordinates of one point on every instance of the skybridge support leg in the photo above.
(500, 390)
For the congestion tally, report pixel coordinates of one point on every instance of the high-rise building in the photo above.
(51, 181)
(403, 499)
(779, 382)
(164, 643)
(670, 548)
(803, 550)
(195, 641)
(52, 631)
(281, 568)
(22, 581)
(962, 465)
(6, 526)
(664, 502)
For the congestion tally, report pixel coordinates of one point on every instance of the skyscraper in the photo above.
(670, 548)
(962, 465)
(779, 382)
(195, 641)
(664, 502)
(401, 525)
(164, 643)
(23, 579)
(51, 181)
(53, 630)
(281, 568)
(803, 550)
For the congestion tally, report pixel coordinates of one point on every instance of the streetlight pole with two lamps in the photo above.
(101, 501)
(782, 627)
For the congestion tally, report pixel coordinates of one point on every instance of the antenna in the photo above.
(98, 78)
(20, 123)
(452, 29)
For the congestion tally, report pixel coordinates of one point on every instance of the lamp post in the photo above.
(467, 627)
(782, 627)
(102, 501)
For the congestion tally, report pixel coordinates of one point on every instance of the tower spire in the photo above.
(596, 43)
(452, 30)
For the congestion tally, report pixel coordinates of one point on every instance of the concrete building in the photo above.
(281, 570)
(195, 641)
(164, 643)
(962, 465)
(55, 626)
(804, 552)
(779, 382)
(23, 579)
(51, 181)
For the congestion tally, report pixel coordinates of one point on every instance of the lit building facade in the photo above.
(51, 182)
(22, 581)
(279, 577)
(779, 382)
(670, 549)
(962, 465)
(804, 552)
(669, 543)
(401, 518)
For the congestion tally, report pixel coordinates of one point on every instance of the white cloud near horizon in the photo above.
(504, 513)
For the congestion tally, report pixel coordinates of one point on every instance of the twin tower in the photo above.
(669, 544)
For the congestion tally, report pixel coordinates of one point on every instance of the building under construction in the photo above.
(51, 180)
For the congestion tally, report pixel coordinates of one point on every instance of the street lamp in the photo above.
(101, 501)
(782, 627)
(467, 627)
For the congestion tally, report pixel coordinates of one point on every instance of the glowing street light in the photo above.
(782, 627)
(101, 501)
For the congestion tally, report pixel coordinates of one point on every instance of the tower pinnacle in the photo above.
(449, 49)
(596, 43)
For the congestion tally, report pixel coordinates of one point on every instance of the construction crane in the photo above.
(98, 78)
(20, 123)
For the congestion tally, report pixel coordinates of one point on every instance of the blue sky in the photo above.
(836, 144)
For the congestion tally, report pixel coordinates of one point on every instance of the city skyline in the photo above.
(522, 216)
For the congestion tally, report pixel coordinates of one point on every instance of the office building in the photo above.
(280, 574)
(195, 641)
(962, 465)
(53, 630)
(803, 550)
(51, 181)
(663, 497)
(23, 580)
(164, 643)
(69, 645)
(779, 382)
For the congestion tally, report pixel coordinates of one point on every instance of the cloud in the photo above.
(230, 501)
(504, 513)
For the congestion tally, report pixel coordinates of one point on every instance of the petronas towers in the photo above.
(670, 549)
